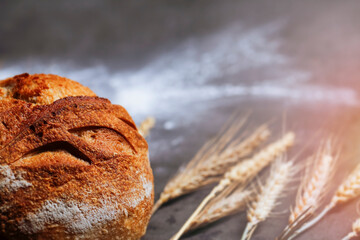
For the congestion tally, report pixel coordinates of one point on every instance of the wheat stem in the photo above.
(313, 221)
(355, 231)
(249, 230)
(156, 206)
(242, 173)
(350, 236)
(291, 227)
(197, 211)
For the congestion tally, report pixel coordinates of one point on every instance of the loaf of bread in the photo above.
(72, 165)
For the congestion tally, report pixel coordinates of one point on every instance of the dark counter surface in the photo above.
(191, 64)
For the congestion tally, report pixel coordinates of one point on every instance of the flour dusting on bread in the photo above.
(136, 196)
(76, 217)
(79, 217)
(10, 180)
(147, 185)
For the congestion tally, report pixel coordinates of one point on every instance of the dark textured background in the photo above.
(190, 64)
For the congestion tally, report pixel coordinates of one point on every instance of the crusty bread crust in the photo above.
(41, 88)
(73, 168)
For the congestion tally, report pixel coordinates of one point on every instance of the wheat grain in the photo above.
(355, 231)
(311, 192)
(347, 191)
(247, 169)
(212, 160)
(220, 208)
(241, 173)
(146, 126)
(265, 200)
(236, 150)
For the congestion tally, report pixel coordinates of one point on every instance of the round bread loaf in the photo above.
(72, 165)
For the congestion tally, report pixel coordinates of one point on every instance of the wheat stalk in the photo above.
(355, 231)
(146, 126)
(311, 191)
(241, 173)
(265, 200)
(212, 160)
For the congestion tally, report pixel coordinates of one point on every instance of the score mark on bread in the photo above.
(71, 166)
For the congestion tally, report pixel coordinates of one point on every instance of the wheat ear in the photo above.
(355, 231)
(221, 207)
(311, 191)
(347, 191)
(212, 160)
(146, 126)
(241, 173)
(265, 200)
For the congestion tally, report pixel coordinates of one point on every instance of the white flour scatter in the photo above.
(132, 198)
(169, 125)
(177, 141)
(136, 196)
(233, 62)
(79, 217)
(147, 185)
(76, 217)
(10, 180)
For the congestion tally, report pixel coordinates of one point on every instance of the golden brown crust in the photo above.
(73, 168)
(41, 88)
